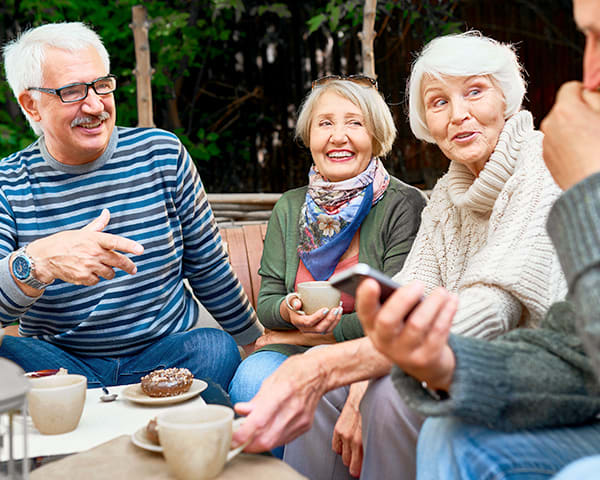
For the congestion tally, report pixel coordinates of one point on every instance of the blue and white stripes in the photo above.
(149, 184)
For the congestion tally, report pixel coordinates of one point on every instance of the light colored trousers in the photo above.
(390, 431)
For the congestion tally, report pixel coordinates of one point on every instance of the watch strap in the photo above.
(30, 280)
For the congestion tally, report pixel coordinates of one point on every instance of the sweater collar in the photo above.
(86, 167)
(480, 193)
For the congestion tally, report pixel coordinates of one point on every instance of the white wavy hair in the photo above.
(24, 57)
(464, 55)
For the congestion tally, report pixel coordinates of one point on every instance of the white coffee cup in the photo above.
(314, 296)
(55, 402)
(196, 441)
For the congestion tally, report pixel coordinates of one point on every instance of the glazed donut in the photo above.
(167, 383)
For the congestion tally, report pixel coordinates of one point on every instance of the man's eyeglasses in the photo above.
(363, 80)
(75, 92)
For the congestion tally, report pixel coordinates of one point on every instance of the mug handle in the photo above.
(289, 297)
(237, 423)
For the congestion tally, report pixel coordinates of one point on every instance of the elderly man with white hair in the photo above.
(99, 227)
(482, 238)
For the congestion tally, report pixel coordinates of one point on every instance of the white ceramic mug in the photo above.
(55, 402)
(314, 296)
(196, 441)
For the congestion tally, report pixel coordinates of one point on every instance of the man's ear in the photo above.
(29, 105)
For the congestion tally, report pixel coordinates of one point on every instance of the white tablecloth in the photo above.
(100, 422)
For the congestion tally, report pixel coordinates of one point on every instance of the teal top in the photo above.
(386, 236)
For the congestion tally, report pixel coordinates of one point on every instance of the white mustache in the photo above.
(80, 120)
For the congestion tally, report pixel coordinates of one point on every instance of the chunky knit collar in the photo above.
(480, 193)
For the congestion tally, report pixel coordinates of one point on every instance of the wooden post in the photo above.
(367, 36)
(143, 71)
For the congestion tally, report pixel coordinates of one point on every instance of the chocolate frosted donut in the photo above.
(167, 383)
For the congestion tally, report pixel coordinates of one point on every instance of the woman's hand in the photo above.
(293, 337)
(411, 333)
(347, 434)
(322, 321)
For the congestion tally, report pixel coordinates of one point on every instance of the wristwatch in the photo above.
(23, 269)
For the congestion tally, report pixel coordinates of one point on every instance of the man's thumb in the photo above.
(99, 223)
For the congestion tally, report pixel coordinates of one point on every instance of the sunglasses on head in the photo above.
(363, 80)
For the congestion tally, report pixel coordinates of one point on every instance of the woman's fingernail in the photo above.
(325, 311)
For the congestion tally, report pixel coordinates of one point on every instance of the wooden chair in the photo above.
(245, 247)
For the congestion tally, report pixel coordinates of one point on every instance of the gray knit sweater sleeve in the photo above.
(574, 226)
(542, 377)
(528, 378)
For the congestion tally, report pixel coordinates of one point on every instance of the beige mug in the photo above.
(314, 296)
(196, 441)
(55, 403)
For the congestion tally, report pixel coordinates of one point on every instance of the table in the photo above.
(119, 459)
(100, 422)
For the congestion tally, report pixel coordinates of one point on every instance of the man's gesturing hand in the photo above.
(83, 256)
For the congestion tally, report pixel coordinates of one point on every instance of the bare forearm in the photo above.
(348, 362)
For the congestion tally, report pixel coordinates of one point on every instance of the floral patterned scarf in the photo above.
(333, 212)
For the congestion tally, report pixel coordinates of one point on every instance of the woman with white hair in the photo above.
(351, 211)
(483, 232)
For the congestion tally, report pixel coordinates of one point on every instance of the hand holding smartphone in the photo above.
(348, 280)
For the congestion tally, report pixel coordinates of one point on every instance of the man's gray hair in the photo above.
(464, 55)
(24, 57)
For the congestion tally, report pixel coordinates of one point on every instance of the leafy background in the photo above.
(230, 74)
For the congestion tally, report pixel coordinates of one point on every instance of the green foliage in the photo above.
(279, 9)
(432, 16)
(336, 12)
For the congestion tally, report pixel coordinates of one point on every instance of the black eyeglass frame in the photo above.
(58, 91)
(358, 78)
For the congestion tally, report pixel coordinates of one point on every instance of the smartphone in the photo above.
(347, 281)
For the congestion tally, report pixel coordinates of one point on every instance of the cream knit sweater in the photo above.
(485, 238)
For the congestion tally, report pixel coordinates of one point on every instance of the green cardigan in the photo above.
(544, 377)
(386, 235)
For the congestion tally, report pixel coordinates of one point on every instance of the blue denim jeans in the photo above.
(585, 469)
(249, 377)
(208, 353)
(450, 449)
(251, 373)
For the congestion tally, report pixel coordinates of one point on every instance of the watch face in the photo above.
(21, 268)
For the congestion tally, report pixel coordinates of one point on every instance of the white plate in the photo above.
(134, 393)
(140, 439)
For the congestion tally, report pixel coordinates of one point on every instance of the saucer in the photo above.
(134, 393)
(140, 439)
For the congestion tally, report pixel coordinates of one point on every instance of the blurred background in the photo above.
(230, 74)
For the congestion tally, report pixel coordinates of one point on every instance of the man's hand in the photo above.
(572, 135)
(284, 407)
(347, 434)
(413, 335)
(83, 256)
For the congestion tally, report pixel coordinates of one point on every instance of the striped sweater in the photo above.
(151, 187)
(485, 238)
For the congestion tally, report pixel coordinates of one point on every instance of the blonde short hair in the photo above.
(378, 118)
(464, 55)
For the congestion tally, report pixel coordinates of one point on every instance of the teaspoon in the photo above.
(108, 397)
